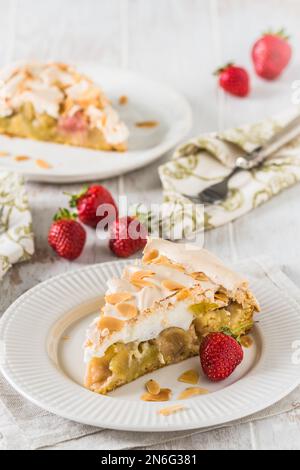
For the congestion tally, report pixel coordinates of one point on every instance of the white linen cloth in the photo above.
(16, 236)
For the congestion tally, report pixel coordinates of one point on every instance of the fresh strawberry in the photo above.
(127, 236)
(66, 236)
(235, 80)
(89, 200)
(220, 354)
(271, 54)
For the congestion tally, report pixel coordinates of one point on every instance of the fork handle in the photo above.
(281, 138)
(237, 169)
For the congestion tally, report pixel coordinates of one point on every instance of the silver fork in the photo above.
(219, 191)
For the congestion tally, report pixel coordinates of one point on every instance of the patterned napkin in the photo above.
(206, 160)
(16, 237)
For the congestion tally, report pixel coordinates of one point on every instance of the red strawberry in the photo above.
(271, 54)
(127, 236)
(235, 80)
(220, 354)
(66, 236)
(89, 200)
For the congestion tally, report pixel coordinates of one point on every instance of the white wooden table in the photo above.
(179, 42)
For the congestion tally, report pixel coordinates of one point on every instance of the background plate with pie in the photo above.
(148, 102)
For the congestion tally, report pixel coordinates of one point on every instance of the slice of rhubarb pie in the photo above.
(159, 310)
(55, 103)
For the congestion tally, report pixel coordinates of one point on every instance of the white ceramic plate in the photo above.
(48, 369)
(148, 100)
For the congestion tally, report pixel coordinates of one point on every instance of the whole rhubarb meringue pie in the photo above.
(160, 309)
(53, 102)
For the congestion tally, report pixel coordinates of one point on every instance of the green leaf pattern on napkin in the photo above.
(203, 161)
(16, 235)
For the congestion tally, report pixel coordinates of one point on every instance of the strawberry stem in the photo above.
(64, 214)
(74, 198)
(281, 33)
(222, 69)
(227, 331)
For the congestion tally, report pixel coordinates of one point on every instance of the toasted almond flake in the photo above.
(111, 323)
(153, 387)
(171, 410)
(178, 266)
(123, 100)
(164, 261)
(190, 377)
(43, 164)
(127, 310)
(140, 283)
(147, 124)
(192, 392)
(4, 154)
(138, 275)
(199, 276)
(183, 294)
(65, 338)
(21, 158)
(150, 256)
(171, 285)
(246, 341)
(118, 297)
(163, 395)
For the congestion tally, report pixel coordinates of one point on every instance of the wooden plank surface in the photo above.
(179, 42)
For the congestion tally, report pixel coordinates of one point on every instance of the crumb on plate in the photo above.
(145, 124)
(123, 100)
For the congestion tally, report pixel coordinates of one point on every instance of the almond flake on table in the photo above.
(43, 164)
(4, 154)
(145, 124)
(21, 158)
